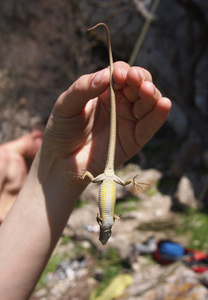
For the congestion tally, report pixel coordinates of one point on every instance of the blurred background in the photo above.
(44, 47)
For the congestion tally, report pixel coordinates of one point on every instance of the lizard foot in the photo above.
(84, 175)
(138, 184)
(99, 220)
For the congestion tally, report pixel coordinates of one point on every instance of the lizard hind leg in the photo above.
(99, 219)
(105, 234)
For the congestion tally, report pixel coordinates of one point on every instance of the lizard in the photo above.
(107, 191)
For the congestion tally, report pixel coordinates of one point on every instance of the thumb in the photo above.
(73, 100)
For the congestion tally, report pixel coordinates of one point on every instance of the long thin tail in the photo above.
(112, 135)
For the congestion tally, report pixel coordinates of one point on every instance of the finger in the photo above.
(73, 101)
(120, 70)
(120, 74)
(148, 97)
(135, 77)
(147, 126)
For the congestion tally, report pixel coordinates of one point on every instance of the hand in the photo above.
(78, 129)
(15, 158)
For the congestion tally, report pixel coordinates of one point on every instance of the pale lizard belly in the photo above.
(107, 200)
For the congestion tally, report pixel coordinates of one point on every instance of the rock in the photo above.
(41, 293)
(91, 192)
(200, 98)
(205, 158)
(178, 120)
(203, 278)
(184, 194)
(190, 156)
(182, 282)
(173, 282)
(145, 178)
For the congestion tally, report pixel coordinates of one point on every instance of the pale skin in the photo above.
(75, 138)
(15, 158)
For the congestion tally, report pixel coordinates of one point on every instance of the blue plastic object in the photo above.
(171, 249)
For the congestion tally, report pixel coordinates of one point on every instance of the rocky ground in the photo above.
(84, 262)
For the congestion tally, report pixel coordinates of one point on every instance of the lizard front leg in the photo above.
(86, 174)
(96, 179)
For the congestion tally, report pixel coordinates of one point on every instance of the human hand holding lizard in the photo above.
(130, 90)
(78, 130)
(75, 138)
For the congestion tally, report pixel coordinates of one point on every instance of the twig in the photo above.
(143, 33)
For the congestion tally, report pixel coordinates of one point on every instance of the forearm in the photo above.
(32, 229)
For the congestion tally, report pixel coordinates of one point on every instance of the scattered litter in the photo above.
(92, 228)
(67, 269)
(166, 252)
(147, 247)
(115, 289)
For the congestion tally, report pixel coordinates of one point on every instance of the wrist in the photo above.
(58, 178)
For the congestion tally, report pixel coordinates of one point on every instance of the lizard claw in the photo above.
(75, 175)
(138, 184)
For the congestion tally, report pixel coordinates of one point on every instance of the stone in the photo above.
(184, 194)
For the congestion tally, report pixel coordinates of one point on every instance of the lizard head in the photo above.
(104, 235)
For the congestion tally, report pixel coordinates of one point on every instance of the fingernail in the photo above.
(98, 77)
